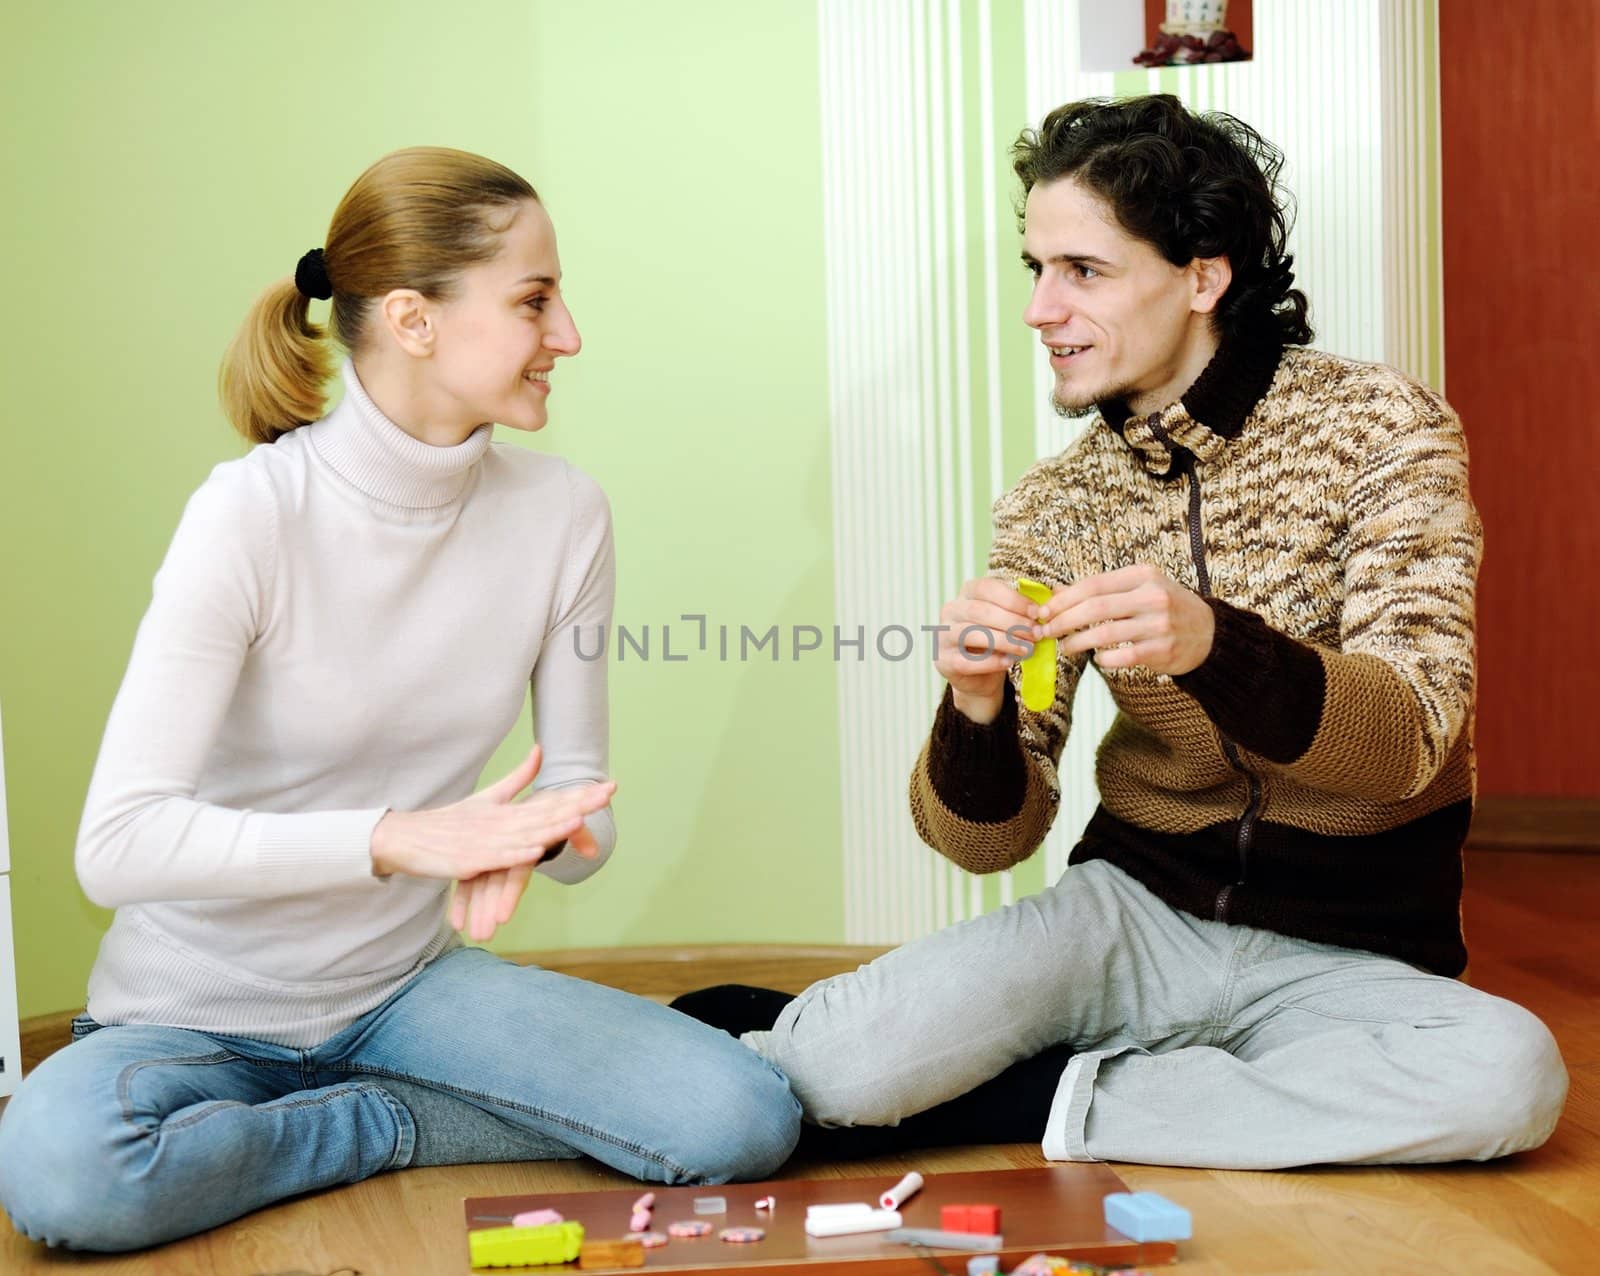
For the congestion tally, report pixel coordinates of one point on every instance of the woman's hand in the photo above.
(488, 831)
(483, 904)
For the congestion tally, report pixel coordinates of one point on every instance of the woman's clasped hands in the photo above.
(489, 842)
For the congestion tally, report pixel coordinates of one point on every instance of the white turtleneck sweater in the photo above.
(346, 622)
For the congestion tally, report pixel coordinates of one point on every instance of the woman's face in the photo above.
(500, 334)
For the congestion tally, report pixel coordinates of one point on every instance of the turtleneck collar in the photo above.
(371, 452)
(1211, 412)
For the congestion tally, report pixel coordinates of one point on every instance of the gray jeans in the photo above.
(1199, 1043)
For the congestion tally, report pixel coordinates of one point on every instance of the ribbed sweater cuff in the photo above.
(1261, 688)
(978, 771)
(323, 848)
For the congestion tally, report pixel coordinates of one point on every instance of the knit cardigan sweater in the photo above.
(1315, 775)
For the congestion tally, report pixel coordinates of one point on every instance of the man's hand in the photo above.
(1132, 616)
(987, 629)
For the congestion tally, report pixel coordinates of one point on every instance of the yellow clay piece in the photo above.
(1039, 669)
(525, 1246)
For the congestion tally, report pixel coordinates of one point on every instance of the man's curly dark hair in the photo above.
(1191, 185)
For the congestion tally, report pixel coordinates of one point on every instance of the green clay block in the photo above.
(1039, 669)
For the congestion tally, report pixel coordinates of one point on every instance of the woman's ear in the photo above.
(408, 316)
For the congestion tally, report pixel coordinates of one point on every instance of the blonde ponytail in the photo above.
(415, 219)
(273, 374)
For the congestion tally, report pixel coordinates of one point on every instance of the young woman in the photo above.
(343, 630)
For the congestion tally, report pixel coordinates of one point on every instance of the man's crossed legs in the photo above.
(1196, 1043)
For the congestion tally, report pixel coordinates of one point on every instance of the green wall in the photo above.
(166, 161)
(168, 158)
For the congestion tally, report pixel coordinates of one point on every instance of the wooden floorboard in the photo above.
(1536, 824)
(1533, 921)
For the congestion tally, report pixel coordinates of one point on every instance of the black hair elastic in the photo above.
(311, 276)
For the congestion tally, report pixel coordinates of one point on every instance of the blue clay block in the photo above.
(1147, 1216)
(983, 1265)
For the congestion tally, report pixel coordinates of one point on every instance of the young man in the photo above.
(1269, 553)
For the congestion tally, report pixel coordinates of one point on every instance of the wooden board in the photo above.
(1056, 1210)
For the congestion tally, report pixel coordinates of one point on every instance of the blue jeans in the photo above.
(141, 1134)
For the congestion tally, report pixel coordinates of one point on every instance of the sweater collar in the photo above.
(373, 454)
(1211, 413)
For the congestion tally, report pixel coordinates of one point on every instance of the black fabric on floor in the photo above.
(735, 1008)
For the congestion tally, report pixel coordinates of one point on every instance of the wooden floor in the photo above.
(1533, 924)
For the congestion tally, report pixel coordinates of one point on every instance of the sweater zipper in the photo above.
(1247, 822)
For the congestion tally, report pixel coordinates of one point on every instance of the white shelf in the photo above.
(10, 1044)
(10, 1041)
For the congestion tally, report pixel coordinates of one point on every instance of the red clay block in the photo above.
(982, 1220)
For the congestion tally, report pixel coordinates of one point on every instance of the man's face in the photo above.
(1118, 317)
